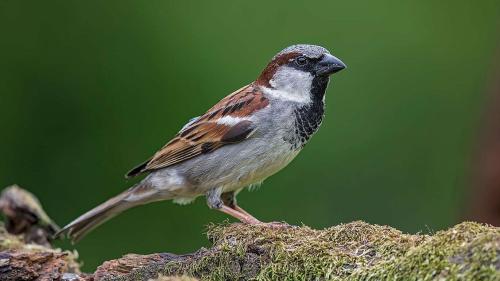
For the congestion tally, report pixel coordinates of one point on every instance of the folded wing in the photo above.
(229, 121)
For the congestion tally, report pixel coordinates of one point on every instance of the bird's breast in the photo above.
(306, 121)
(264, 165)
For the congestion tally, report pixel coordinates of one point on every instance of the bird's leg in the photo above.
(229, 199)
(214, 201)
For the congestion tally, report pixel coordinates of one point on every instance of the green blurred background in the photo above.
(88, 89)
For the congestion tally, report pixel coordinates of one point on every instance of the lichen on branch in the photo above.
(353, 251)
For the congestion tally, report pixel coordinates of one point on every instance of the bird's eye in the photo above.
(301, 61)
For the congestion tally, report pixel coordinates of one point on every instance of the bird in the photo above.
(246, 137)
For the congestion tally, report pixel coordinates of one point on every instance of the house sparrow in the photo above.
(243, 139)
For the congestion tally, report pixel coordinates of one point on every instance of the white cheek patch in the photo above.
(291, 84)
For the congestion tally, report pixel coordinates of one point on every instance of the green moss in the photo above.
(9, 242)
(354, 251)
(469, 251)
(173, 278)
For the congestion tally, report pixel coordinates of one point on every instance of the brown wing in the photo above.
(205, 134)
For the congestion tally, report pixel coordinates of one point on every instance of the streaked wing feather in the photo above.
(204, 134)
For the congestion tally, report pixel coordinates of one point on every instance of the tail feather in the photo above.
(83, 227)
(87, 222)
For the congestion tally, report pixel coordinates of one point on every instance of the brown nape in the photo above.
(268, 72)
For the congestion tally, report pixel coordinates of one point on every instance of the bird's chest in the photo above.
(268, 161)
(305, 122)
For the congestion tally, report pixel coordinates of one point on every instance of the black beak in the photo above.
(329, 65)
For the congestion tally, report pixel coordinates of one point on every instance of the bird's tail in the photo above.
(132, 197)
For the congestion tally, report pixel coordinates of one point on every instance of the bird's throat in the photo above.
(308, 117)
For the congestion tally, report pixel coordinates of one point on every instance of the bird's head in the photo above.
(296, 69)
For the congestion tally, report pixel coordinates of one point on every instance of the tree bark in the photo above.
(353, 251)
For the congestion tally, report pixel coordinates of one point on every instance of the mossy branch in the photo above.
(353, 251)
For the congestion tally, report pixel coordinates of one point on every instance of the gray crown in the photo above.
(311, 51)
